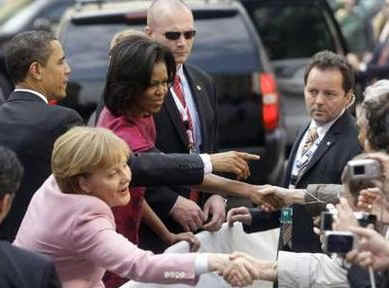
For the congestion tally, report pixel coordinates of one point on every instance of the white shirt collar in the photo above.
(32, 92)
(180, 71)
(323, 129)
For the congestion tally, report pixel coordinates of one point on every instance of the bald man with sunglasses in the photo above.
(186, 123)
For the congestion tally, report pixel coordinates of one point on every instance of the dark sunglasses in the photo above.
(176, 35)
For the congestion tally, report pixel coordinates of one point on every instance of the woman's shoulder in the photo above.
(79, 207)
(138, 133)
(117, 124)
(90, 216)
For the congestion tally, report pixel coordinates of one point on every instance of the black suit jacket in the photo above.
(23, 269)
(171, 138)
(155, 168)
(30, 127)
(171, 133)
(339, 145)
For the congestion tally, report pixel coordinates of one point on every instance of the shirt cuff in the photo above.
(207, 163)
(201, 264)
(174, 205)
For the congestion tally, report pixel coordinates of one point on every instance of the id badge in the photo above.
(286, 215)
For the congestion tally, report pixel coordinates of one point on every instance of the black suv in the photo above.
(226, 46)
(292, 31)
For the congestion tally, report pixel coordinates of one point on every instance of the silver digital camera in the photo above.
(359, 173)
(364, 219)
(362, 169)
(339, 242)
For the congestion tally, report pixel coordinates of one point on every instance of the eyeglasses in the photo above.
(172, 35)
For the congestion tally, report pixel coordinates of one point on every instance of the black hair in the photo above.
(324, 60)
(24, 49)
(11, 172)
(130, 71)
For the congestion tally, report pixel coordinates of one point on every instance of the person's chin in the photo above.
(180, 58)
(318, 116)
(124, 201)
(320, 120)
(156, 110)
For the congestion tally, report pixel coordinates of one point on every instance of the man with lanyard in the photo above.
(320, 151)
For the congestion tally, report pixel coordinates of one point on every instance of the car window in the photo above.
(231, 55)
(87, 56)
(282, 25)
(11, 7)
(55, 10)
(227, 47)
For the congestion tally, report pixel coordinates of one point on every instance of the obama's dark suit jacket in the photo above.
(29, 127)
(23, 269)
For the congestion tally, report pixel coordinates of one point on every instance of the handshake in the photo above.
(240, 269)
(274, 197)
(270, 198)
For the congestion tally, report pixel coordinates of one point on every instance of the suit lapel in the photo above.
(328, 140)
(324, 145)
(175, 116)
(198, 98)
(292, 156)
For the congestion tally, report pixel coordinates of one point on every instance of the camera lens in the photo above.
(326, 221)
(359, 170)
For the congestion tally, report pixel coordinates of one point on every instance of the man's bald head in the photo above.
(172, 17)
(161, 9)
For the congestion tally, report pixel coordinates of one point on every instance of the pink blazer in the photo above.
(78, 232)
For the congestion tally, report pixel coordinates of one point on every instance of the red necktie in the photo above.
(188, 124)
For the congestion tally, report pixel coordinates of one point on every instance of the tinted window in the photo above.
(230, 54)
(227, 47)
(282, 25)
(54, 11)
(239, 114)
(86, 48)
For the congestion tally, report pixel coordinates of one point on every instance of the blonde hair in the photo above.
(82, 150)
(122, 35)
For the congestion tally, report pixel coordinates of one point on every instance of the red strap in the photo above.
(177, 88)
